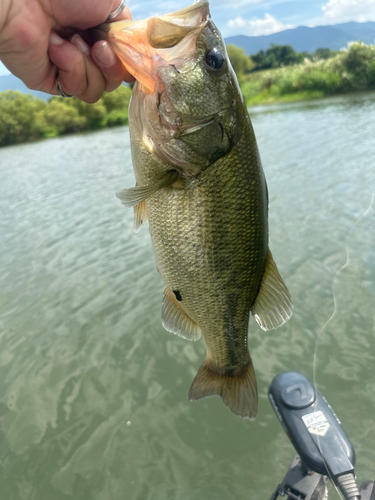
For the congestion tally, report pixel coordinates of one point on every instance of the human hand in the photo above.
(43, 39)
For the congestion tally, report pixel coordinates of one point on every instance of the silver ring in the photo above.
(116, 12)
(60, 90)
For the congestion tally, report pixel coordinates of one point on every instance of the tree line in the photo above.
(288, 76)
(25, 117)
(275, 56)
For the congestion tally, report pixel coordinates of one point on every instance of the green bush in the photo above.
(240, 62)
(18, 117)
(323, 54)
(289, 81)
(358, 61)
(251, 89)
(328, 82)
(93, 114)
(276, 56)
(24, 118)
(370, 72)
(115, 118)
(118, 99)
(302, 80)
(60, 117)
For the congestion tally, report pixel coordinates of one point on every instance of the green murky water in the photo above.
(93, 391)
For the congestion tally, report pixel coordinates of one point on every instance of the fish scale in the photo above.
(206, 260)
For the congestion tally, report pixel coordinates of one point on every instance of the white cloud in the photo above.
(349, 10)
(256, 27)
(238, 22)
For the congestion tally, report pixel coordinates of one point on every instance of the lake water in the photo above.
(93, 391)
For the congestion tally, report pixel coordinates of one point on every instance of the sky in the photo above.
(262, 17)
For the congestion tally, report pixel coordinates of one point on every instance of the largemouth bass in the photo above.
(201, 186)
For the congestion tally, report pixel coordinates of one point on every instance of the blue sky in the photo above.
(263, 17)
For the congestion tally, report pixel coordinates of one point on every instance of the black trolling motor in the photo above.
(323, 448)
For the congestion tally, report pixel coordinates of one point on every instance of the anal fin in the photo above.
(238, 391)
(140, 215)
(273, 304)
(175, 319)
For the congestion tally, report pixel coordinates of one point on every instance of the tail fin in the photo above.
(238, 392)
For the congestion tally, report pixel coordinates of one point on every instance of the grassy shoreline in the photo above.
(265, 98)
(352, 70)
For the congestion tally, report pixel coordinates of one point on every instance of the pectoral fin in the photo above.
(140, 216)
(273, 305)
(138, 194)
(175, 320)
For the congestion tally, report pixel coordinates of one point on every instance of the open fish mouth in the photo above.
(144, 45)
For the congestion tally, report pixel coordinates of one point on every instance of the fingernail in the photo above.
(81, 45)
(54, 39)
(105, 55)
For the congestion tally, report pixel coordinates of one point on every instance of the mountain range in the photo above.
(10, 82)
(302, 39)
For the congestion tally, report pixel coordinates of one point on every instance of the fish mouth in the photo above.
(144, 45)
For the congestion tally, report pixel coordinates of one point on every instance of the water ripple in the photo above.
(93, 390)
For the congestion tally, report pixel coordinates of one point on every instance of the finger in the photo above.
(85, 14)
(96, 82)
(78, 74)
(48, 85)
(113, 70)
(70, 65)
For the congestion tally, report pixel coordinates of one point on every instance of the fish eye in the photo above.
(215, 59)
